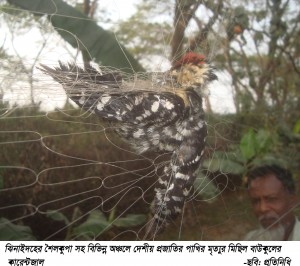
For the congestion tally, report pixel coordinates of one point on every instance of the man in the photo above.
(272, 194)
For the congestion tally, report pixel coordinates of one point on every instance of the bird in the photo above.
(155, 111)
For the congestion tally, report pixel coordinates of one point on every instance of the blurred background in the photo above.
(65, 175)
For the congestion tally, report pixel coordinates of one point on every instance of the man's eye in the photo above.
(271, 199)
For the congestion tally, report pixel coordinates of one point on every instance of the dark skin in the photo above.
(272, 203)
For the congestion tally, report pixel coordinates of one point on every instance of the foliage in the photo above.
(36, 149)
(262, 60)
(253, 144)
(254, 44)
(257, 44)
(205, 187)
(96, 224)
(296, 129)
(147, 31)
(13, 232)
(255, 149)
(29, 142)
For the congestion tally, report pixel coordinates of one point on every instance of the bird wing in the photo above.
(103, 94)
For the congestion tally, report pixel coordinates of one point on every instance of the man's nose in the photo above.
(263, 207)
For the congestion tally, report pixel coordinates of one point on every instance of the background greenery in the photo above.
(255, 42)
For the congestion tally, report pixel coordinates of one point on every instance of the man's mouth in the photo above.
(268, 222)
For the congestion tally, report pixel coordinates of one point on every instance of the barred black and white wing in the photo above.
(168, 118)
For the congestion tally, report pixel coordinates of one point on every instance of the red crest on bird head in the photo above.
(190, 58)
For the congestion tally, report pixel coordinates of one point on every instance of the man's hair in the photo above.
(282, 174)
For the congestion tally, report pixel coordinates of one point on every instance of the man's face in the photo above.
(271, 201)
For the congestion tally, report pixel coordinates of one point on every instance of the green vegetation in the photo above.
(96, 223)
(65, 175)
(77, 190)
(12, 232)
(257, 147)
(45, 156)
(92, 193)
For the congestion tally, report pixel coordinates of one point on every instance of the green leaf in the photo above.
(260, 15)
(263, 141)
(258, 36)
(232, 167)
(83, 33)
(248, 145)
(269, 159)
(205, 187)
(130, 220)
(241, 16)
(13, 232)
(226, 162)
(234, 155)
(57, 216)
(223, 166)
(296, 128)
(95, 225)
(212, 165)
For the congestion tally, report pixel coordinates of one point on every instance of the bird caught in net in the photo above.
(159, 112)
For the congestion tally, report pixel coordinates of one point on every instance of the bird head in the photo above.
(192, 71)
